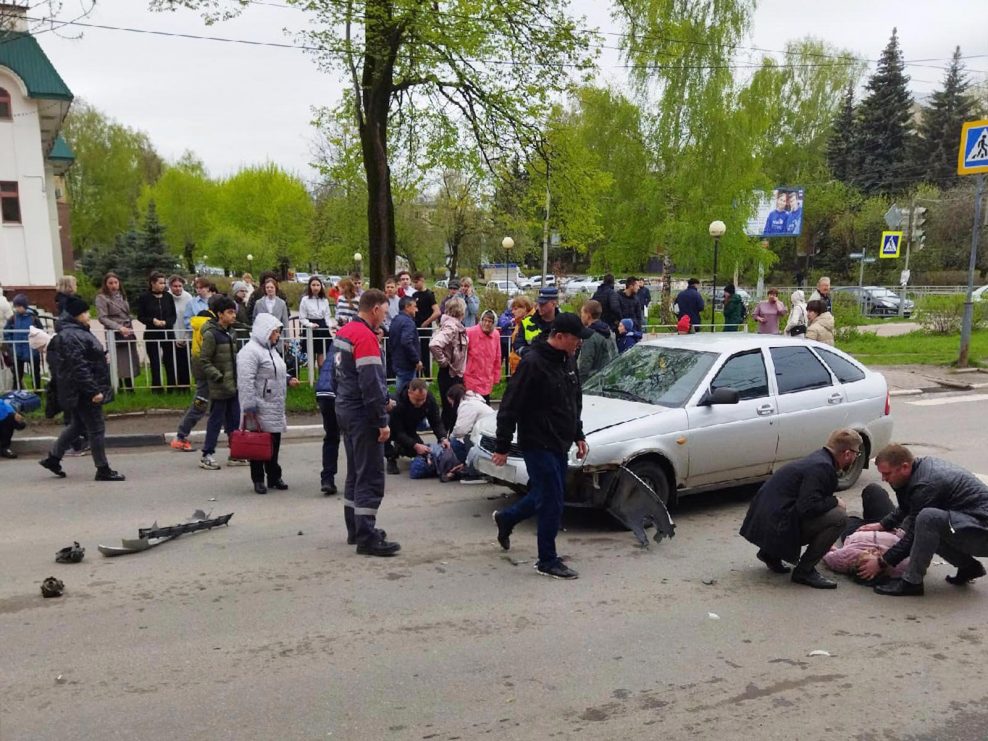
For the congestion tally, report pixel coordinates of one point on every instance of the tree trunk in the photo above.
(188, 252)
(382, 40)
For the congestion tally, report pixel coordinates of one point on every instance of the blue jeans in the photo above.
(222, 413)
(402, 379)
(546, 486)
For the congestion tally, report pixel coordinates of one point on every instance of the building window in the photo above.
(10, 203)
(6, 110)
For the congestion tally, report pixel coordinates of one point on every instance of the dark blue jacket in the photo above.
(16, 332)
(326, 382)
(403, 343)
(690, 304)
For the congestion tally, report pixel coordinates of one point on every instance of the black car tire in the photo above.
(847, 479)
(652, 474)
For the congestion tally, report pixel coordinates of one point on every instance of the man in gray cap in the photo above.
(538, 324)
(544, 401)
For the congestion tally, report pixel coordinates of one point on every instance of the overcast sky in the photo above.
(235, 105)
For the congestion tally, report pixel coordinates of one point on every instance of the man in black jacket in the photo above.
(404, 348)
(944, 510)
(544, 401)
(605, 295)
(82, 377)
(797, 507)
(628, 304)
(415, 404)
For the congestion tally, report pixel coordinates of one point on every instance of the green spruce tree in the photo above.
(940, 127)
(840, 149)
(884, 129)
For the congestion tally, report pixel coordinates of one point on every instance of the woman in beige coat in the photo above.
(821, 326)
(114, 314)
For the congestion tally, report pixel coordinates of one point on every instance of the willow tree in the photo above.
(436, 74)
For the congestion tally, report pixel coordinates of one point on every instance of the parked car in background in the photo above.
(979, 293)
(582, 284)
(441, 283)
(876, 300)
(690, 413)
(504, 286)
(302, 277)
(536, 281)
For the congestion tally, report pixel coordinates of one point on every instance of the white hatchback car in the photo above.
(691, 413)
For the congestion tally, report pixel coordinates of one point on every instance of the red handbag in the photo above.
(250, 445)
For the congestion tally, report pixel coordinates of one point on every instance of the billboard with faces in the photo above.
(779, 214)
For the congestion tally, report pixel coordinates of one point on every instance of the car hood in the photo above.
(599, 413)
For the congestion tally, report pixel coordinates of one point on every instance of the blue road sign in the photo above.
(891, 242)
(972, 157)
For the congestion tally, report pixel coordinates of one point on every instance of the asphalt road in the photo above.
(273, 629)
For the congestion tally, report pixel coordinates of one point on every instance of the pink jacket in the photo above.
(844, 560)
(483, 360)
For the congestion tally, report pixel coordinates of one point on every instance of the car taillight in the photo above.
(888, 403)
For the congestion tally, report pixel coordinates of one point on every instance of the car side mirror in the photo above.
(722, 395)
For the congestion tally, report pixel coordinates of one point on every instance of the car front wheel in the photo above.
(847, 479)
(652, 474)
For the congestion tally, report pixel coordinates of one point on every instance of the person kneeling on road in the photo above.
(943, 509)
(797, 506)
(415, 404)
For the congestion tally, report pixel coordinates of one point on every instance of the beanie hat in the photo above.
(74, 306)
(683, 325)
(239, 286)
(21, 300)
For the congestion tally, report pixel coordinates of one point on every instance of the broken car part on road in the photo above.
(150, 537)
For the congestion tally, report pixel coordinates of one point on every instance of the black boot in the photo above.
(328, 489)
(54, 465)
(378, 546)
(105, 473)
(813, 578)
(773, 562)
(260, 488)
(900, 588)
(393, 466)
(967, 572)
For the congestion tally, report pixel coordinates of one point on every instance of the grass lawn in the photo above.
(915, 348)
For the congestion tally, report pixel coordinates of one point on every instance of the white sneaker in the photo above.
(237, 462)
(209, 463)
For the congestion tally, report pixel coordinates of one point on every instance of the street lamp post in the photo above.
(508, 243)
(250, 264)
(717, 229)
(357, 262)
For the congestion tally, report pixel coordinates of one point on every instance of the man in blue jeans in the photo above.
(544, 401)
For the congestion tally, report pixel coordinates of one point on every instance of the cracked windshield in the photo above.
(653, 375)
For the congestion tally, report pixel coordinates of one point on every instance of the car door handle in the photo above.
(835, 399)
(765, 410)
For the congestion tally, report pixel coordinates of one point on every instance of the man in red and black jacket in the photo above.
(362, 412)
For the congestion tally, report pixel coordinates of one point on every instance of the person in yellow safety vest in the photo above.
(537, 323)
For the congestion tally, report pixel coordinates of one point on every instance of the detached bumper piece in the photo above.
(150, 537)
(636, 506)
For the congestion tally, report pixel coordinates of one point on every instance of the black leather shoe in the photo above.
(393, 466)
(280, 485)
(966, 573)
(378, 547)
(813, 579)
(7, 453)
(260, 488)
(328, 489)
(108, 474)
(53, 465)
(900, 588)
(503, 532)
(774, 564)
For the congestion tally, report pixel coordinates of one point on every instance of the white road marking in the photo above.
(948, 400)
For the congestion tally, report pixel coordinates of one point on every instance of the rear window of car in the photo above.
(797, 369)
(844, 369)
(654, 375)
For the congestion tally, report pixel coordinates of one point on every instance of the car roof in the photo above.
(729, 342)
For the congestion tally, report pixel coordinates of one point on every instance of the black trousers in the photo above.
(182, 369)
(446, 382)
(86, 418)
(21, 370)
(330, 440)
(160, 349)
(818, 534)
(271, 468)
(7, 426)
(875, 504)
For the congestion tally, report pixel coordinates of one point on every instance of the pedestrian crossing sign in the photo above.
(972, 157)
(891, 242)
